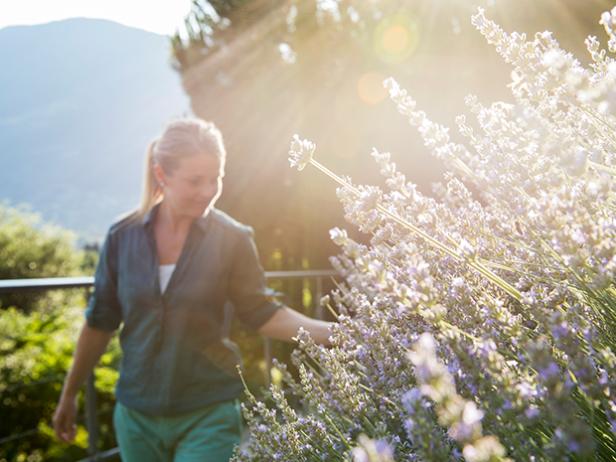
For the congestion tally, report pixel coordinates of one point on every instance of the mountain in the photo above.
(80, 100)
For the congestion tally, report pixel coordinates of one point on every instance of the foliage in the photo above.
(35, 353)
(476, 327)
(37, 338)
(30, 248)
(206, 24)
(204, 19)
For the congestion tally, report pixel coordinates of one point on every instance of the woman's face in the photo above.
(193, 186)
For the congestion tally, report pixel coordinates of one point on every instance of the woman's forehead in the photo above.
(200, 165)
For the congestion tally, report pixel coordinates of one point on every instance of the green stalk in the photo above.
(602, 168)
(378, 395)
(594, 116)
(429, 239)
(340, 435)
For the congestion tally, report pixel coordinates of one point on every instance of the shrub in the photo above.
(38, 333)
(35, 352)
(475, 325)
(30, 248)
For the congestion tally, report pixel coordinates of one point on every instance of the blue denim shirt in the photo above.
(173, 359)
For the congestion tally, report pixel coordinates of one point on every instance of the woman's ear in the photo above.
(159, 173)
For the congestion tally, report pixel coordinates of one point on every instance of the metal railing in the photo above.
(87, 283)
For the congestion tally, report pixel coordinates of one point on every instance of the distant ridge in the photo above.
(80, 100)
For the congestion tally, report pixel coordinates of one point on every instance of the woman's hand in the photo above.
(64, 419)
(285, 323)
(90, 346)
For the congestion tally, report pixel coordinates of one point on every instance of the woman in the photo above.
(165, 272)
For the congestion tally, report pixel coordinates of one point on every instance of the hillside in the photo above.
(80, 99)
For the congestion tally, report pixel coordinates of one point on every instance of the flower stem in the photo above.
(429, 239)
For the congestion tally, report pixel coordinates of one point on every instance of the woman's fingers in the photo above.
(64, 422)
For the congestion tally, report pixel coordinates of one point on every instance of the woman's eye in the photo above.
(199, 182)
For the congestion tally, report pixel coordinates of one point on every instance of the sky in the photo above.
(160, 16)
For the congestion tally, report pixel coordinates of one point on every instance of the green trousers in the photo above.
(206, 435)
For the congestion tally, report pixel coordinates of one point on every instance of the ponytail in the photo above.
(181, 138)
(151, 188)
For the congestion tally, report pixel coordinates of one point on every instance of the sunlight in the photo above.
(370, 88)
(396, 38)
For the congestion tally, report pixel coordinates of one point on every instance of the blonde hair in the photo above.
(181, 138)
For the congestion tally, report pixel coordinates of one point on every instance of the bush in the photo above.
(35, 352)
(30, 248)
(38, 336)
(475, 327)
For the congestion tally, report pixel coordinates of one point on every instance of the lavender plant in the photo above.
(479, 323)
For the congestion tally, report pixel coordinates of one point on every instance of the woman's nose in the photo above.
(209, 191)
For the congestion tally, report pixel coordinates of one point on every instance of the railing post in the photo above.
(267, 352)
(91, 417)
(319, 294)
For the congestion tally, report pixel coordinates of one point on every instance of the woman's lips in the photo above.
(202, 204)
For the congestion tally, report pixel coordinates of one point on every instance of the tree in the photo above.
(38, 334)
(30, 248)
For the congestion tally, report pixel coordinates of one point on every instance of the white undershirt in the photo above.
(164, 273)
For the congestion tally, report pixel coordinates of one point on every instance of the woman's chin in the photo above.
(201, 209)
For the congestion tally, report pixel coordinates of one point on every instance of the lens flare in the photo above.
(370, 88)
(396, 38)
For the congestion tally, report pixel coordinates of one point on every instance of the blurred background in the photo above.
(81, 97)
(86, 85)
(316, 68)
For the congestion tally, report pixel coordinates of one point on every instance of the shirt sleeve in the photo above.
(247, 287)
(104, 311)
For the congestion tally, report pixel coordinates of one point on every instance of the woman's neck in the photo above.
(171, 220)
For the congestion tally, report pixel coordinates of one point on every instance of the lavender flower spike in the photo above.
(300, 152)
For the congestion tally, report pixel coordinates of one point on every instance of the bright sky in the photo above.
(160, 16)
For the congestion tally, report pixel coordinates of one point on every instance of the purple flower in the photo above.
(550, 372)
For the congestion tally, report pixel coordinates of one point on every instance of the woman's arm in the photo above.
(91, 344)
(285, 323)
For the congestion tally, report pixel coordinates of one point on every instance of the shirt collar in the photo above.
(201, 222)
